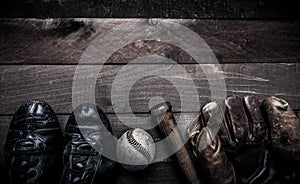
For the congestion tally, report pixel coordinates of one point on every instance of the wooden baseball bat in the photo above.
(163, 113)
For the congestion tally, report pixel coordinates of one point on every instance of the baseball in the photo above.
(135, 149)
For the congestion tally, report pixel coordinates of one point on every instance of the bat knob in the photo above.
(159, 111)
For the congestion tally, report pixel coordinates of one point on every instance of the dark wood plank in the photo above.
(52, 83)
(4, 124)
(161, 172)
(164, 9)
(63, 41)
(298, 114)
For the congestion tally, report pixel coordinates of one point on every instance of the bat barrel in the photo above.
(163, 113)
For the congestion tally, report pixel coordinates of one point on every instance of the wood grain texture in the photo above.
(63, 41)
(161, 172)
(298, 114)
(152, 8)
(53, 83)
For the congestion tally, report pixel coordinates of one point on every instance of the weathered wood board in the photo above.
(53, 83)
(62, 41)
(228, 9)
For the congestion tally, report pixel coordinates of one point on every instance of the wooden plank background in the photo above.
(237, 9)
(62, 41)
(53, 83)
(258, 52)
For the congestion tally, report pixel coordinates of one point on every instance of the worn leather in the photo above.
(241, 151)
(285, 138)
(247, 146)
(33, 145)
(85, 131)
(213, 164)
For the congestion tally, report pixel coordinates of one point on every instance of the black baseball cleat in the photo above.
(33, 145)
(88, 131)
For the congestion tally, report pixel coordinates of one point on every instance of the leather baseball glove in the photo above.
(255, 140)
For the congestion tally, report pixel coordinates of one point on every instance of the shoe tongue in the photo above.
(35, 109)
(86, 117)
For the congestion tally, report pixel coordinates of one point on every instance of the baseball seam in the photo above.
(137, 146)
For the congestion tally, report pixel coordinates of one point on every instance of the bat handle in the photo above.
(163, 113)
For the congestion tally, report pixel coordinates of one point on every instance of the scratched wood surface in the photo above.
(62, 41)
(53, 83)
(38, 59)
(259, 9)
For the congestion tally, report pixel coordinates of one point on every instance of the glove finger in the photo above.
(257, 127)
(213, 115)
(284, 128)
(210, 112)
(248, 152)
(219, 167)
(236, 120)
(207, 146)
(194, 129)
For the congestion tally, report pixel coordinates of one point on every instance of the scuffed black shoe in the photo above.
(87, 131)
(33, 145)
